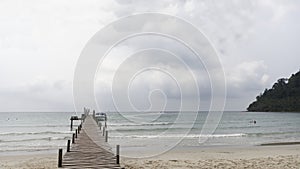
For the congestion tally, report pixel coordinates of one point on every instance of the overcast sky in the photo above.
(40, 42)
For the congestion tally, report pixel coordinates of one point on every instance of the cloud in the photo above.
(247, 77)
(39, 95)
(257, 42)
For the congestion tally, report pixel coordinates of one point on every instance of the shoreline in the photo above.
(271, 156)
(280, 143)
(226, 152)
(21, 153)
(276, 156)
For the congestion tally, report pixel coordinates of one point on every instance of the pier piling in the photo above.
(118, 154)
(68, 145)
(60, 152)
(71, 126)
(106, 136)
(73, 138)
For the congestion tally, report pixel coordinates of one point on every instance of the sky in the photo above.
(41, 41)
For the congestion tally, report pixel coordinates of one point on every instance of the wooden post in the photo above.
(106, 136)
(60, 151)
(118, 154)
(103, 131)
(68, 145)
(73, 138)
(71, 125)
(82, 117)
(76, 133)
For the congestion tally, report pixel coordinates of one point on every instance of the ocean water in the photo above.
(157, 131)
(23, 132)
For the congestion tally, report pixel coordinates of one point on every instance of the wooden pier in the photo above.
(90, 149)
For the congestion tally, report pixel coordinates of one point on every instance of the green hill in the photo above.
(283, 96)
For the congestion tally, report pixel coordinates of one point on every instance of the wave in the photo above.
(183, 136)
(34, 133)
(223, 135)
(141, 124)
(17, 126)
(271, 133)
(36, 139)
(130, 130)
(29, 149)
(242, 127)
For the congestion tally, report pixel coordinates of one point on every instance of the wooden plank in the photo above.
(90, 149)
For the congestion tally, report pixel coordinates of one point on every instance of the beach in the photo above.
(272, 157)
(256, 157)
(29, 161)
(31, 140)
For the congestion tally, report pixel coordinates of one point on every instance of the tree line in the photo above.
(284, 96)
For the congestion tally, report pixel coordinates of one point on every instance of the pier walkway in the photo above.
(90, 149)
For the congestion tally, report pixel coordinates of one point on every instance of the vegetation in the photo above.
(283, 96)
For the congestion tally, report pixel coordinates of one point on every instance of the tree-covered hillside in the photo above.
(283, 96)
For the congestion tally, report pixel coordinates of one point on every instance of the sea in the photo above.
(155, 132)
(34, 132)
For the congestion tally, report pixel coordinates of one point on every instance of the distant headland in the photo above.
(284, 96)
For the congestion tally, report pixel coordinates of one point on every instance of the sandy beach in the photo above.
(257, 157)
(271, 157)
(30, 161)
